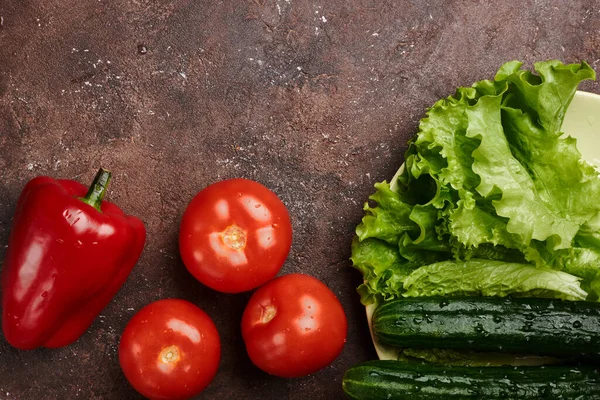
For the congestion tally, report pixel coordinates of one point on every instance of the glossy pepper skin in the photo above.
(68, 254)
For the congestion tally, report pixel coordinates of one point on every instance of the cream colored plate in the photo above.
(582, 122)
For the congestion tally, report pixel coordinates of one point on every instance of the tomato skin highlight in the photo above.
(294, 326)
(235, 235)
(170, 349)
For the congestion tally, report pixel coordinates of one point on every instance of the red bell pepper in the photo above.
(68, 254)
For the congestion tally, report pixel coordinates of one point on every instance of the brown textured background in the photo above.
(314, 99)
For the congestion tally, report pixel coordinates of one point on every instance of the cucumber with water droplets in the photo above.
(515, 325)
(390, 379)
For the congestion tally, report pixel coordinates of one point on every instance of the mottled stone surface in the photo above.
(314, 99)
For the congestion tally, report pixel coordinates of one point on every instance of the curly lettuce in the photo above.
(490, 183)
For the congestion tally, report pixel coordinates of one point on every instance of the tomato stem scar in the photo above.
(169, 355)
(234, 237)
(267, 313)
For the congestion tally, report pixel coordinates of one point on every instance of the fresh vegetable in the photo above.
(491, 278)
(470, 358)
(518, 325)
(293, 326)
(489, 177)
(390, 379)
(68, 254)
(170, 349)
(235, 235)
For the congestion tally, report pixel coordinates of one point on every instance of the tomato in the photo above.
(235, 235)
(170, 349)
(293, 326)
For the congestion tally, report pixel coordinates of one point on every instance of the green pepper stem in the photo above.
(98, 189)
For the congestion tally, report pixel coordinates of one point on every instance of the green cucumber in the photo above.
(390, 379)
(514, 325)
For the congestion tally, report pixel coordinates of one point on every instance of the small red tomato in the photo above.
(235, 235)
(294, 326)
(170, 349)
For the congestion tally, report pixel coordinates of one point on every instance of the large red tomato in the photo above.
(235, 235)
(170, 349)
(294, 326)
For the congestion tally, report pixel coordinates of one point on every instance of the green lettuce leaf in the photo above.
(548, 94)
(565, 190)
(382, 269)
(481, 277)
(589, 234)
(389, 220)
